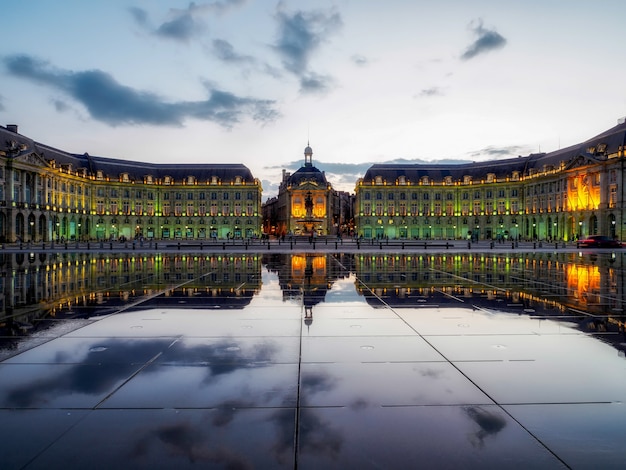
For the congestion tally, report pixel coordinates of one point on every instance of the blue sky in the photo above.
(364, 81)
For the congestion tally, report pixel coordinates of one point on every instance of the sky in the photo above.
(362, 81)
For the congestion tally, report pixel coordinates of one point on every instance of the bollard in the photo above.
(469, 245)
(403, 245)
(133, 245)
(491, 245)
(110, 246)
(534, 245)
(335, 245)
(381, 245)
(540, 244)
(88, 245)
(156, 245)
(43, 246)
(201, 246)
(291, 245)
(268, 245)
(556, 246)
(512, 245)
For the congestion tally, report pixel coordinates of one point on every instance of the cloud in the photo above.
(183, 24)
(508, 151)
(113, 103)
(360, 60)
(314, 83)
(182, 28)
(226, 52)
(139, 15)
(300, 34)
(487, 40)
(432, 91)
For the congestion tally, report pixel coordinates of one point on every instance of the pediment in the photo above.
(32, 159)
(580, 161)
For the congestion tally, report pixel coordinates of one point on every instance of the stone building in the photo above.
(562, 195)
(47, 194)
(306, 203)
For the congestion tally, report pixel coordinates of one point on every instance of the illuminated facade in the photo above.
(47, 194)
(306, 203)
(562, 195)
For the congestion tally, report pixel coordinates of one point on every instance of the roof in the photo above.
(13, 145)
(597, 148)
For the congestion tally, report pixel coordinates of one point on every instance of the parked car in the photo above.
(600, 241)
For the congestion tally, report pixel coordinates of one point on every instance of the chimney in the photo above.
(12, 128)
(621, 120)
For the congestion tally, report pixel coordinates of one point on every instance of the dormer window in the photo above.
(191, 180)
(238, 179)
(378, 179)
(424, 179)
(467, 179)
(100, 175)
(515, 176)
(167, 180)
(402, 179)
(149, 179)
(124, 178)
(448, 180)
(491, 177)
(214, 180)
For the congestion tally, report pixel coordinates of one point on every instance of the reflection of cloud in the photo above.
(98, 372)
(490, 424)
(314, 382)
(431, 373)
(317, 436)
(182, 439)
(108, 363)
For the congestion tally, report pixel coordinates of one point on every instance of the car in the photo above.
(599, 241)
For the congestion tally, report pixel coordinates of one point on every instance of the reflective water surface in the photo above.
(382, 360)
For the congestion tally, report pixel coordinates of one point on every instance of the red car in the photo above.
(599, 241)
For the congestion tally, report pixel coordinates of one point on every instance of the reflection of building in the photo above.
(571, 192)
(35, 287)
(538, 283)
(47, 194)
(306, 203)
(306, 278)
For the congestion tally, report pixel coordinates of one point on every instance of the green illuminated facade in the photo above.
(47, 194)
(562, 195)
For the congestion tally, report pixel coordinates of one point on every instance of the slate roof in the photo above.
(14, 145)
(612, 139)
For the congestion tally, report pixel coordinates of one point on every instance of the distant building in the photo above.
(306, 204)
(47, 194)
(562, 195)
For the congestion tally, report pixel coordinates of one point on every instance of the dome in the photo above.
(308, 151)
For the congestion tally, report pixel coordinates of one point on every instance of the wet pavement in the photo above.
(313, 361)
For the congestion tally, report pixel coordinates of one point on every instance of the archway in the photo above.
(32, 234)
(3, 226)
(19, 227)
(593, 225)
(41, 229)
(612, 228)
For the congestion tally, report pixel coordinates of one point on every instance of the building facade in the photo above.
(306, 203)
(47, 195)
(562, 195)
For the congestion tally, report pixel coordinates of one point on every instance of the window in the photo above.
(366, 196)
(190, 196)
